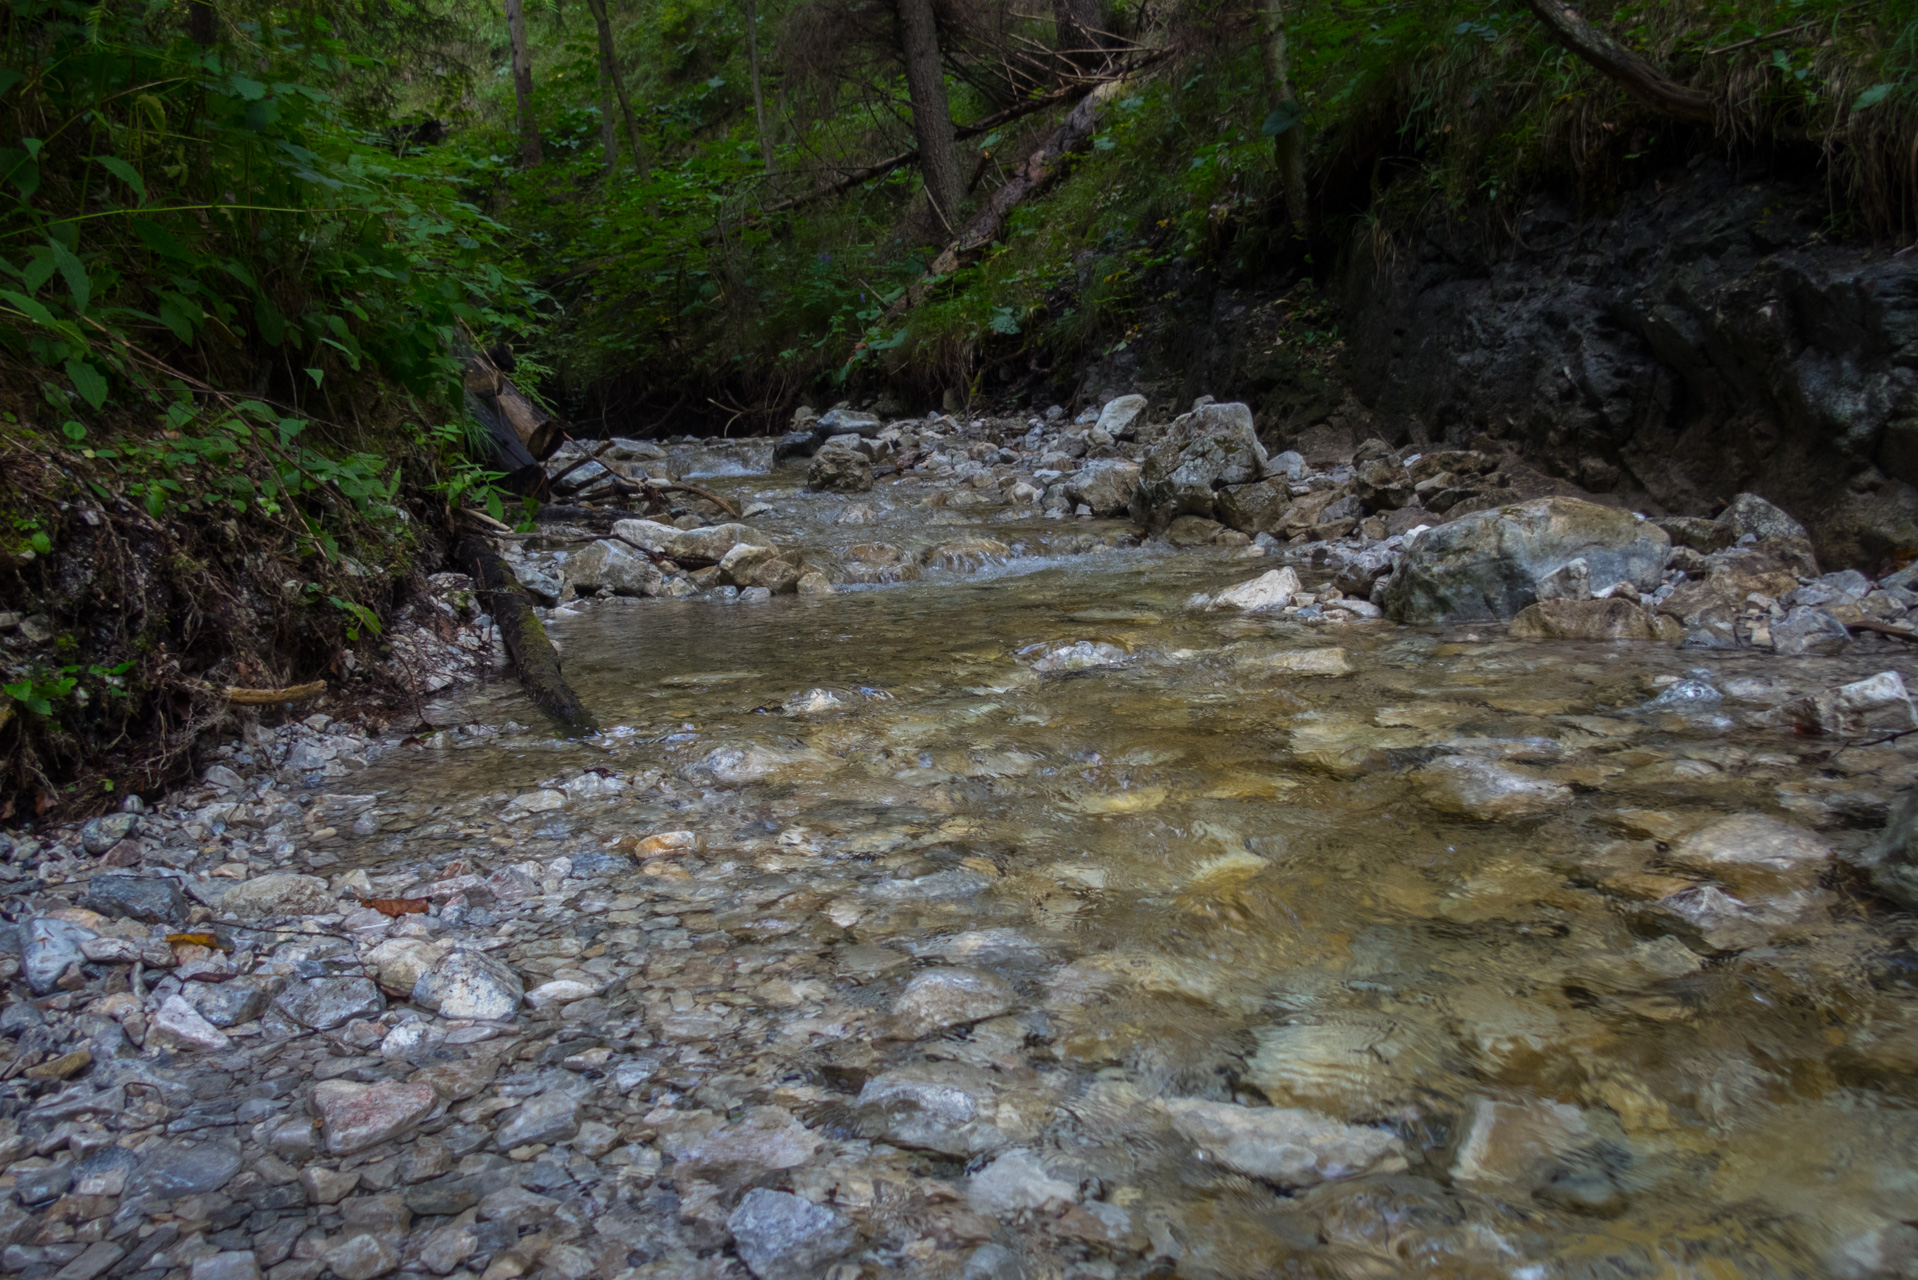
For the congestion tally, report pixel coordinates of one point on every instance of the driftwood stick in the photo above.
(273, 697)
(533, 655)
(577, 463)
(708, 494)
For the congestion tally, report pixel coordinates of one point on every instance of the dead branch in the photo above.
(1635, 75)
(273, 697)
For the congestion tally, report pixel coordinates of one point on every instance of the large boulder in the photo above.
(613, 565)
(1259, 507)
(1612, 619)
(1206, 450)
(1106, 485)
(1488, 565)
(839, 470)
(689, 544)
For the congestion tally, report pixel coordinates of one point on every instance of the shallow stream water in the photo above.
(1204, 874)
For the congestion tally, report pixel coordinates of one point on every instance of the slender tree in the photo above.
(759, 94)
(531, 153)
(609, 74)
(1286, 118)
(931, 119)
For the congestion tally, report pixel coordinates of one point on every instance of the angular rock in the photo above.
(354, 1116)
(1015, 1182)
(469, 984)
(1211, 448)
(1121, 416)
(1808, 632)
(967, 555)
(172, 1170)
(234, 1264)
(1891, 861)
(1754, 854)
(936, 1106)
(1750, 515)
(552, 1116)
(1286, 1146)
(710, 543)
(94, 1261)
(1604, 620)
(1260, 507)
(1106, 485)
(326, 1003)
(398, 963)
(941, 998)
(1517, 1145)
(154, 899)
(615, 566)
(362, 1258)
(782, 1237)
(1302, 662)
(1475, 788)
(1081, 655)
(839, 471)
(178, 1025)
(1725, 922)
(766, 1138)
(48, 949)
(1487, 566)
(1268, 591)
(230, 1003)
(107, 830)
(279, 894)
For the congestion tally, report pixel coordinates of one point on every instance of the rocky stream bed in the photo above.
(1024, 848)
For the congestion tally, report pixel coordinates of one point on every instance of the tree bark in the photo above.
(533, 655)
(608, 122)
(931, 119)
(531, 153)
(1635, 75)
(609, 70)
(1287, 114)
(759, 94)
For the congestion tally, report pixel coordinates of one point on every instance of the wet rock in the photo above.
(154, 899)
(938, 1106)
(326, 1003)
(552, 1116)
(1514, 1146)
(234, 1264)
(941, 998)
(94, 1261)
(782, 1237)
(107, 830)
(1211, 448)
(277, 895)
(171, 1170)
(1017, 1181)
(361, 1257)
(1891, 861)
(1475, 788)
(1267, 592)
(1487, 566)
(1105, 485)
(614, 566)
(1285, 1146)
(710, 543)
(469, 984)
(967, 555)
(766, 1138)
(398, 963)
(178, 1025)
(1302, 662)
(1809, 632)
(1080, 656)
(1687, 694)
(49, 948)
(1725, 922)
(1751, 516)
(1696, 532)
(764, 567)
(1752, 853)
(354, 1117)
(839, 471)
(1608, 620)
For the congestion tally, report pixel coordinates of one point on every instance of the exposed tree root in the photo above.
(533, 655)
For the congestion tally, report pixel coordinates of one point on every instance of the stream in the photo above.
(1150, 876)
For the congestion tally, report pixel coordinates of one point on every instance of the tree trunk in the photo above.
(1635, 75)
(759, 94)
(931, 120)
(1286, 118)
(533, 655)
(530, 151)
(608, 122)
(609, 69)
(1080, 31)
(202, 23)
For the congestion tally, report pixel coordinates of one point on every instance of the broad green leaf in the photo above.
(177, 318)
(245, 87)
(75, 273)
(1873, 96)
(160, 240)
(40, 268)
(1283, 117)
(88, 382)
(9, 78)
(124, 172)
(28, 307)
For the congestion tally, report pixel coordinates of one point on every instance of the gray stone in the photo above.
(326, 1003)
(1287, 1146)
(49, 948)
(1487, 566)
(1254, 508)
(469, 984)
(1809, 632)
(154, 899)
(94, 1261)
(1017, 1181)
(107, 830)
(1891, 861)
(1211, 448)
(766, 1138)
(1289, 465)
(839, 471)
(234, 1264)
(1106, 485)
(178, 1025)
(1751, 514)
(711, 543)
(362, 1258)
(230, 1003)
(841, 422)
(552, 1116)
(936, 1106)
(615, 566)
(1121, 416)
(782, 1237)
(279, 894)
(175, 1169)
(42, 1186)
(1473, 788)
(357, 1116)
(1753, 853)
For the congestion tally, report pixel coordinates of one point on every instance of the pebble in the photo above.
(941, 998)
(469, 984)
(357, 1116)
(782, 1237)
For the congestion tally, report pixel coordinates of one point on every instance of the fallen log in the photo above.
(533, 655)
(273, 697)
(1632, 73)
